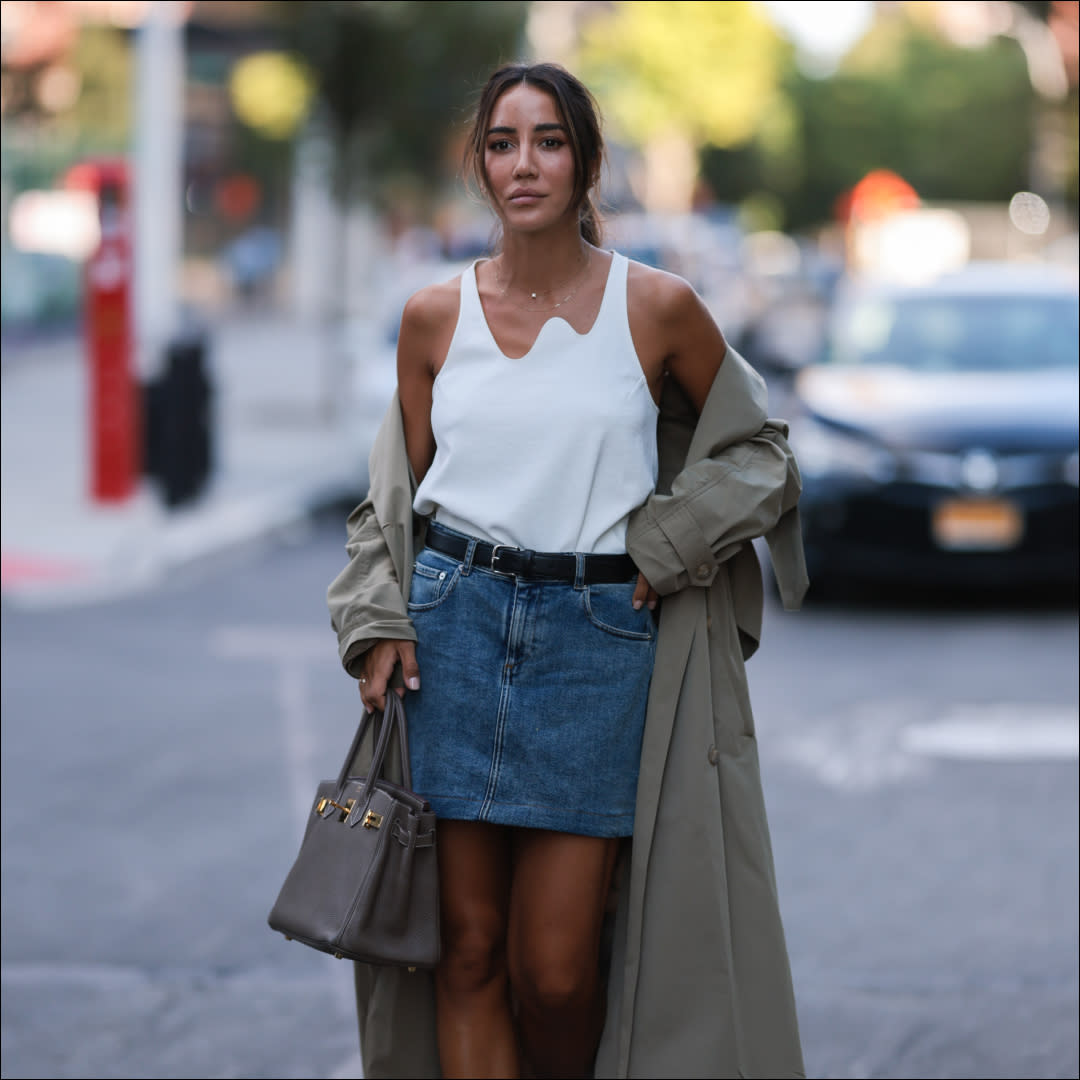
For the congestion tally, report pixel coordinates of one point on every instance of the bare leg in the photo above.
(559, 894)
(475, 1026)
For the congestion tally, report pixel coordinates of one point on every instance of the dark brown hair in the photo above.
(579, 113)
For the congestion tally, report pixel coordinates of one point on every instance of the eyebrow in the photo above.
(539, 127)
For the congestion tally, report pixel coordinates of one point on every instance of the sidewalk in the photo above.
(286, 437)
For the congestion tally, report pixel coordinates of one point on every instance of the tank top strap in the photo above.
(615, 294)
(470, 331)
(470, 307)
(613, 319)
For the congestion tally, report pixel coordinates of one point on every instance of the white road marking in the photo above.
(290, 650)
(878, 743)
(1002, 732)
(856, 751)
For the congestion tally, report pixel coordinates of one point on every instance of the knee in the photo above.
(553, 983)
(471, 959)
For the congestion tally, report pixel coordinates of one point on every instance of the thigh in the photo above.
(474, 884)
(558, 897)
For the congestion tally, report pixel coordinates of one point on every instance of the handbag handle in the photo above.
(391, 718)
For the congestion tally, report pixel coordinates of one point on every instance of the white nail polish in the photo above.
(413, 683)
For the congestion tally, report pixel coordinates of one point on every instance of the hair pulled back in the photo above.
(579, 113)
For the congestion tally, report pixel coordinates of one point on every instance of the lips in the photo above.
(525, 195)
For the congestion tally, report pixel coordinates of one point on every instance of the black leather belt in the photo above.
(540, 565)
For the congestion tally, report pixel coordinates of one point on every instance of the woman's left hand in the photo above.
(644, 593)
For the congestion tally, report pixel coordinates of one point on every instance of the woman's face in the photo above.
(528, 161)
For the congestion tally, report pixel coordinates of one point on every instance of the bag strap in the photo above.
(398, 707)
(390, 719)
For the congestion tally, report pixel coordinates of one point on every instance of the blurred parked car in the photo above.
(936, 431)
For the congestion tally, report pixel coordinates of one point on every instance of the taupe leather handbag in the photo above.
(365, 884)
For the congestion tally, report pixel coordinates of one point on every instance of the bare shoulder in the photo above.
(664, 296)
(673, 331)
(427, 328)
(431, 309)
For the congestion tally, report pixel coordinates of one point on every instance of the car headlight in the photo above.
(822, 452)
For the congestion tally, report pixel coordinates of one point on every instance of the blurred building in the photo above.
(68, 86)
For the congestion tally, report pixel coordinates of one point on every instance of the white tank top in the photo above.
(551, 451)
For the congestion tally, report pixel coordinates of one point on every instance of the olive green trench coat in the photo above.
(699, 983)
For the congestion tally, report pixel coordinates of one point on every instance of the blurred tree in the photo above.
(672, 77)
(101, 80)
(955, 122)
(70, 102)
(394, 80)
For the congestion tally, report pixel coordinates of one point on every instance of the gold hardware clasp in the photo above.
(372, 820)
(346, 810)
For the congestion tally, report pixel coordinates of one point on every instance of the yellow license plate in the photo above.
(977, 525)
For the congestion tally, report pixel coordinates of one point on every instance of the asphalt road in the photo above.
(159, 752)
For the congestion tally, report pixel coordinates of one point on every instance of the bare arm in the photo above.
(427, 325)
(674, 333)
(675, 336)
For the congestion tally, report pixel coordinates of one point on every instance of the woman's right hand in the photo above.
(379, 663)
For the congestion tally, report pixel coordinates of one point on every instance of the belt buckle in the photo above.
(495, 554)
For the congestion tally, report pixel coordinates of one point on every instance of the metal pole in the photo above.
(158, 179)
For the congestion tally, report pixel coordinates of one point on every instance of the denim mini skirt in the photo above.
(532, 697)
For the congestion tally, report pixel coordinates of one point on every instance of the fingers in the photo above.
(644, 593)
(410, 670)
(379, 667)
(373, 680)
(371, 693)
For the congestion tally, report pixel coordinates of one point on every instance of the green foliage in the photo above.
(956, 123)
(706, 70)
(103, 58)
(396, 80)
(97, 119)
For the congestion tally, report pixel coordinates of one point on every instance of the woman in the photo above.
(522, 449)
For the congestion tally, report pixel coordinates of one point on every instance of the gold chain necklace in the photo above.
(576, 280)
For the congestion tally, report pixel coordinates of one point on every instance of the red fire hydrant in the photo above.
(114, 412)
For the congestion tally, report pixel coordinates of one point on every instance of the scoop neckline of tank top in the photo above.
(547, 322)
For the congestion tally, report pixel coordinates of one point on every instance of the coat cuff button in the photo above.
(703, 571)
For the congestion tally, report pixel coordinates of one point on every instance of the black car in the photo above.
(936, 431)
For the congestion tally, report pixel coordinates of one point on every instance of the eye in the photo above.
(499, 145)
(552, 142)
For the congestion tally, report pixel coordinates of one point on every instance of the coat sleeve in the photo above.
(365, 599)
(716, 506)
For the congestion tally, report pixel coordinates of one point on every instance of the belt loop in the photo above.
(470, 551)
(579, 571)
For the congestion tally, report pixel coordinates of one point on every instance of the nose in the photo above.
(524, 165)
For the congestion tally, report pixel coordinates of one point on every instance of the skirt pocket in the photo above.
(434, 578)
(610, 608)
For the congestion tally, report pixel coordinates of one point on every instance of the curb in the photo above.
(49, 585)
